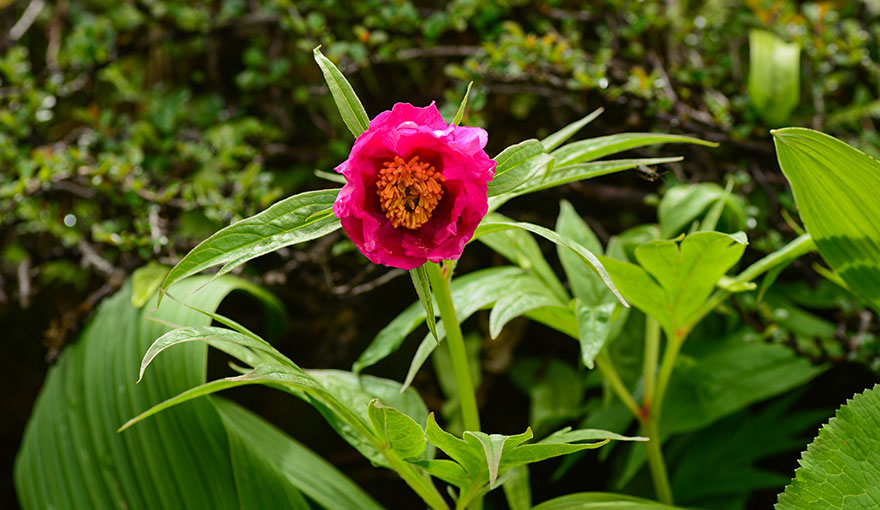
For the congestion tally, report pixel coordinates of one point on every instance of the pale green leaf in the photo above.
(683, 204)
(836, 189)
(423, 289)
(601, 501)
(774, 76)
(464, 101)
(492, 446)
(515, 163)
(145, 281)
(398, 431)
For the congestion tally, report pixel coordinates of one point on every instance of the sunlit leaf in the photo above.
(350, 107)
(774, 76)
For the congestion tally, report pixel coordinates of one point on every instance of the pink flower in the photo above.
(415, 187)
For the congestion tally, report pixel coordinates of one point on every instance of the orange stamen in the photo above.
(409, 191)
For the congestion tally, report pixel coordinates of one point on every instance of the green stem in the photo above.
(652, 354)
(609, 372)
(655, 461)
(670, 355)
(457, 353)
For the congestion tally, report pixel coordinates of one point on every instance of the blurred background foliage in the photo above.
(130, 130)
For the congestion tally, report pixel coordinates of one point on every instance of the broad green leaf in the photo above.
(520, 247)
(570, 173)
(397, 430)
(595, 148)
(556, 392)
(423, 289)
(558, 138)
(515, 163)
(495, 226)
(601, 501)
(188, 457)
(836, 189)
(774, 76)
(684, 204)
(674, 279)
(475, 287)
(310, 473)
(293, 220)
(841, 468)
(145, 281)
(464, 101)
(350, 107)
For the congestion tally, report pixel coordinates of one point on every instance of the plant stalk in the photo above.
(457, 352)
(655, 460)
(652, 354)
(609, 372)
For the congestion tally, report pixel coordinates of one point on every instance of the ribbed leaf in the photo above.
(601, 501)
(515, 163)
(841, 468)
(558, 138)
(423, 288)
(836, 189)
(187, 457)
(293, 220)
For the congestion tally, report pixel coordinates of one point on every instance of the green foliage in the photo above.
(209, 452)
(835, 187)
(600, 501)
(840, 468)
(774, 76)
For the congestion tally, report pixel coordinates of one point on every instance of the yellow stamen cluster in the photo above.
(409, 191)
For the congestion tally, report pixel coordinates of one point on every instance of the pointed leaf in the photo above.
(350, 107)
(464, 101)
(595, 148)
(601, 501)
(515, 163)
(457, 449)
(558, 138)
(492, 447)
(594, 328)
(293, 220)
(423, 289)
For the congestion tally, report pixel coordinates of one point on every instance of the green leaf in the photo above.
(457, 449)
(594, 328)
(558, 138)
(840, 468)
(492, 447)
(515, 163)
(570, 173)
(675, 280)
(397, 430)
(293, 220)
(774, 76)
(350, 107)
(464, 101)
(836, 189)
(447, 470)
(515, 304)
(473, 288)
(520, 247)
(683, 204)
(188, 457)
(595, 148)
(145, 281)
(307, 471)
(494, 226)
(517, 489)
(601, 501)
(423, 289)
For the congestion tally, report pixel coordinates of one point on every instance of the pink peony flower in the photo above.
(415, 187)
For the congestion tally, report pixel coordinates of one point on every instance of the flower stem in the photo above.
(609, 372)
(457, 353)
(652, 354)
(655, 460)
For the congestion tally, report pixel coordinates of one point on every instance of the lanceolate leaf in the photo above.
(841, 469)
(836, 189)
(558, 138)
(350, 107)
(595, 148)
(293, 220)
(423, 289)
(601, 501)
(464, 101)
(515, 163)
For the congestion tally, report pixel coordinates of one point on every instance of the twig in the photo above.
(27, 19)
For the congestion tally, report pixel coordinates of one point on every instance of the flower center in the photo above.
(409, 191)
